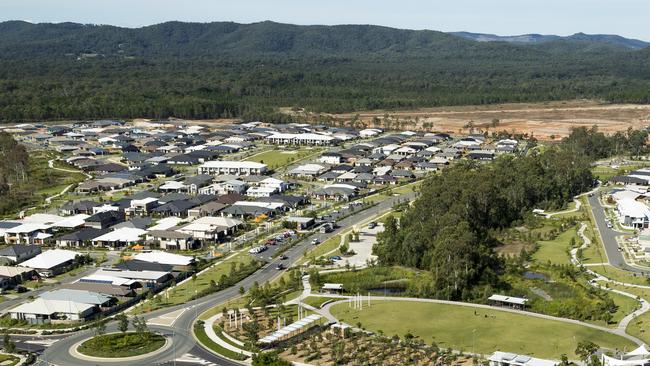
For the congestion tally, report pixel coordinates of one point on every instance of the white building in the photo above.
(258, 192)
(42, 311)
(232, 168)
(499, 358)
(300, 139)
(633, 214)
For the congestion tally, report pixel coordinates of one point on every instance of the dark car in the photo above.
(280, 267)
(283, 257)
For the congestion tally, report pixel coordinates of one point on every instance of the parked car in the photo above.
(372, 225)
(335, 258)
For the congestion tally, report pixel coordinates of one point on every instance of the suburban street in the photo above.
(183, 343)
(614, 256)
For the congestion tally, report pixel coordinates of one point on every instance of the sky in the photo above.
(628, 18)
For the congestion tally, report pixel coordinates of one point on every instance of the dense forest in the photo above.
(188, 70)
(447, 230)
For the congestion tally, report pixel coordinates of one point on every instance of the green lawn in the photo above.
(619, 275)
(317, 301)
(279, 158)
(325, 247)
(203, 338)
(640, 326)
(625, 305)
(460, 327)
(182, 293)
(8, 360)
(557, 250)
(594, 252)
(121, 345)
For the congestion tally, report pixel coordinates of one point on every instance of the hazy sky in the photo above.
(505, 17)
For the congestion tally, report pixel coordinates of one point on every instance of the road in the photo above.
(614, 256)
(183, 343)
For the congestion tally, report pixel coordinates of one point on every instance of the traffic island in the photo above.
(120, 346)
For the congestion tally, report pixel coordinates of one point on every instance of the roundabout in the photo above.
(120, 346)
(175, 343)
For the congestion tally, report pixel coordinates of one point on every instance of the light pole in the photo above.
(473, 341)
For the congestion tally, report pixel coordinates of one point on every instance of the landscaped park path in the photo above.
(50, 164)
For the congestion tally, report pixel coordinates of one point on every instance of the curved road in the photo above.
(183, 342)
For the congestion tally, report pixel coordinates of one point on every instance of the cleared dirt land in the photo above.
(544, 120)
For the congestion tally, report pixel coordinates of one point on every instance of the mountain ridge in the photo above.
(20, 39)
(535, 38)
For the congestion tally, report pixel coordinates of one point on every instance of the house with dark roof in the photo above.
(176, 208)
(103, 220)
(79, 207)
(138, 265)
(80, 238)
(18, 253)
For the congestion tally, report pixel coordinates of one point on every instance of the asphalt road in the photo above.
(183, 343)
(614, 256)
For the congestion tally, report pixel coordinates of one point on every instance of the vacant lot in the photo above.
(464, 328)
(544, 120)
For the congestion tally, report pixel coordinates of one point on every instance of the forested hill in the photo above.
(22, 39)
(192, 70)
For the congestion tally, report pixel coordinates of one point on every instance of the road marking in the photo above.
(167, 319)
(188, 357)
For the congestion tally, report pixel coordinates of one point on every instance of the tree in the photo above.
(122, 322)
(585, 350)
(252, 329)
(140, 326)
(269, 359)
(100, 327)
(9, 345)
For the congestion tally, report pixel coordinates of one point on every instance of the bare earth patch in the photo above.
(543, 120)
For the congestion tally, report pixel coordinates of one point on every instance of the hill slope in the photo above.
(615, 40)
(191, 70)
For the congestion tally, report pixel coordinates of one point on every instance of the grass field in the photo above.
(639, 326)
(464, 328)
(557, 250)
(280, 158)
(619, 275)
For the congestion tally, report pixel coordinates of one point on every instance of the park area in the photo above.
(280, 158)
(483, 330)
(117, 345)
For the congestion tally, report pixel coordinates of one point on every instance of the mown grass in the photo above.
(203, 338)
(556, 251)
(482, 330)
